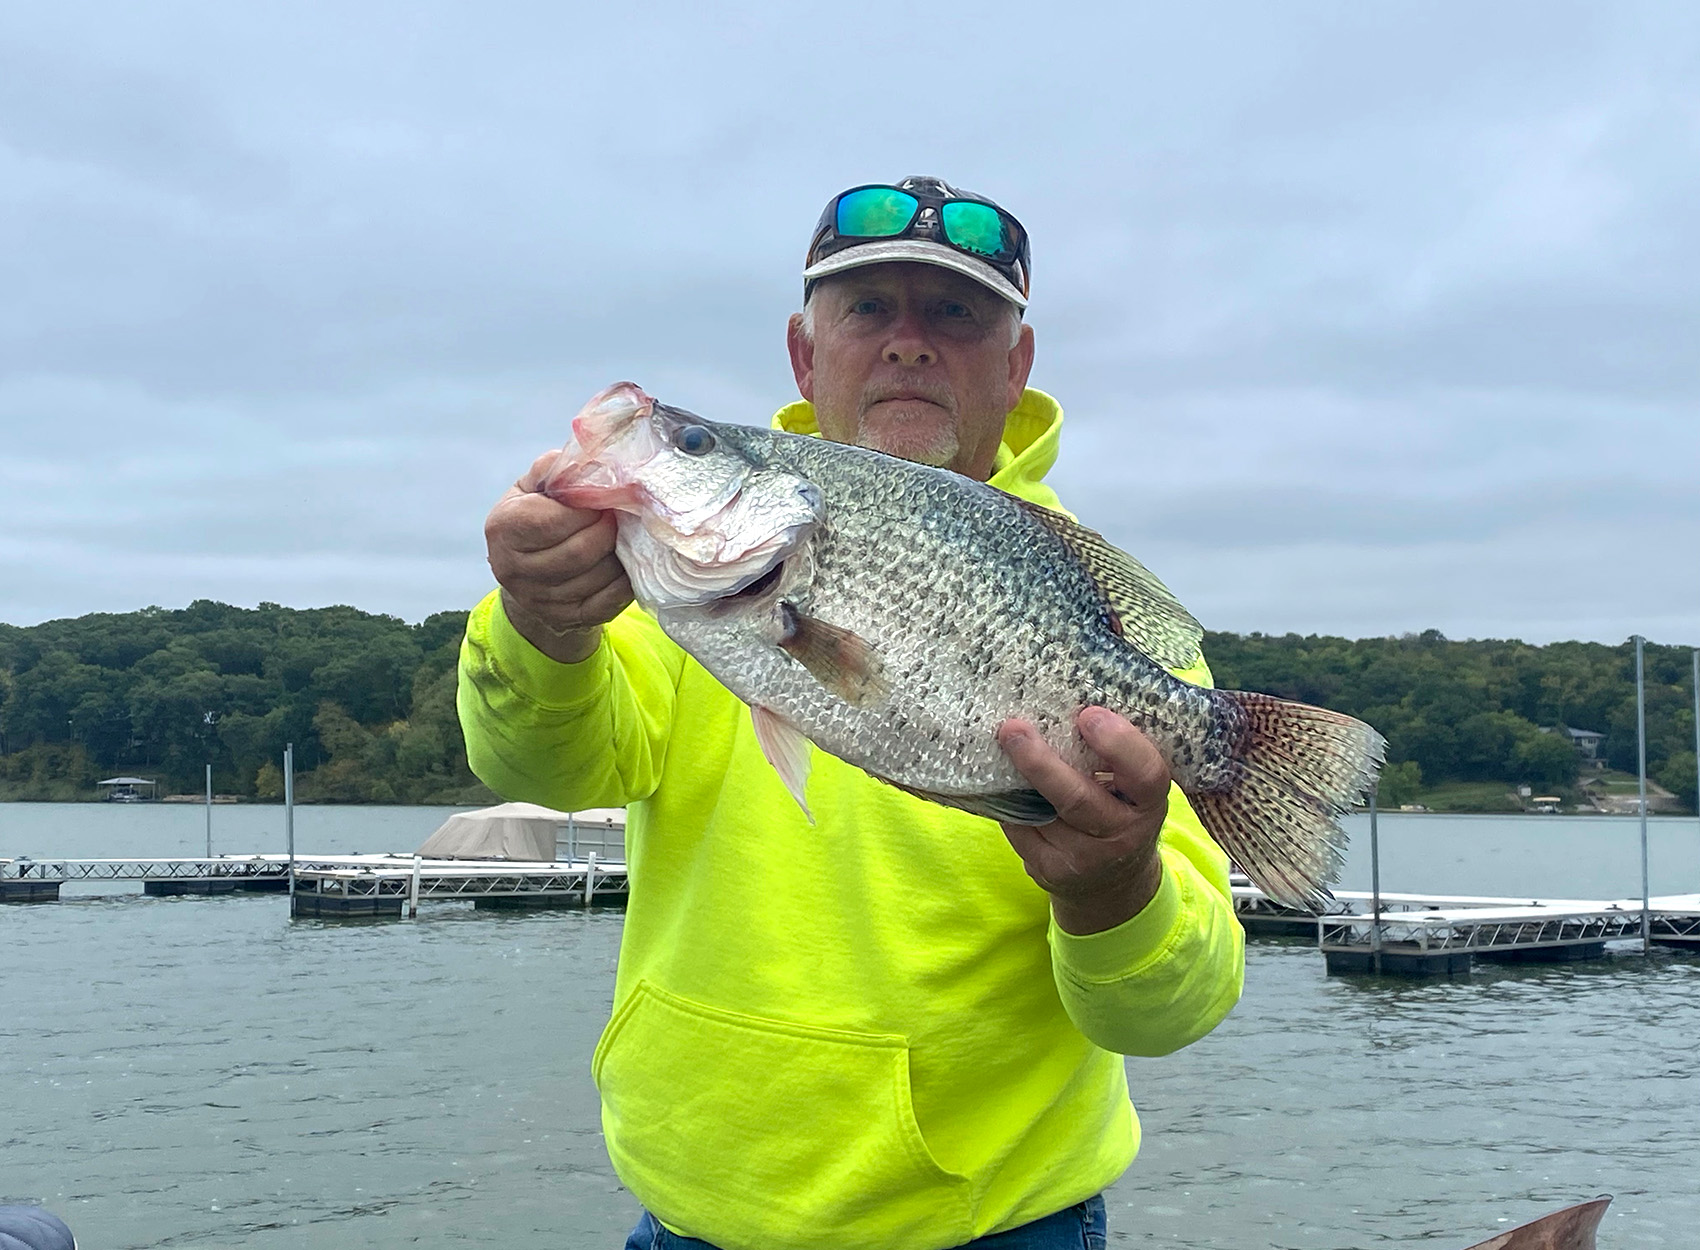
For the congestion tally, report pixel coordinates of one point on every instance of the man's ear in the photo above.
(1020, 365)
(802, 349)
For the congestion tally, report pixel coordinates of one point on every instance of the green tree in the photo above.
(1676, 774)
(268, 781)
(1400, 784)
(369, 701)
(1545, 759)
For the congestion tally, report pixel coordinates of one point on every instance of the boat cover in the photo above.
(522, 831)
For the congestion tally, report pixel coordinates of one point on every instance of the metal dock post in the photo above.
(1375, 889)
(289, 816)
(1641, 754)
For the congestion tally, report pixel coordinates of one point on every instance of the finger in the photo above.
(1079, 800)
(1060, 859)
(534, 477)
(559, 620)
(561, 561)
(1030, 847)
(1140, 772)
(521, 522)
(543, 578)
(609, 602)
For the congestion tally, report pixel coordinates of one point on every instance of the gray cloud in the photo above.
(1367, 319)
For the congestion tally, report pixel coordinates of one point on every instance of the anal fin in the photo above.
(787, 750)
(1009, 807)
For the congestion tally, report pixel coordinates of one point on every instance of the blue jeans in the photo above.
(1081, 1227)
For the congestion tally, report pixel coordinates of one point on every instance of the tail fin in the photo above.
(1294, 771)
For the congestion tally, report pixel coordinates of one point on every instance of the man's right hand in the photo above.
(560, 579)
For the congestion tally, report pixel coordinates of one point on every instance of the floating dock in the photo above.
(390, 889)
(1443, 935)
(1417, 934)
(338, 885)
(38, 880)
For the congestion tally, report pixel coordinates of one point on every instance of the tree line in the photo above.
(1482, 710)
(368, 701)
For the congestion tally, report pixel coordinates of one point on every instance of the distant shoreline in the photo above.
(175, 801)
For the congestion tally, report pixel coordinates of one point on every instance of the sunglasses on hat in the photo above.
(977, 228)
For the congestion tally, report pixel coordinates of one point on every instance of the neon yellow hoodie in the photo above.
(865, 1033)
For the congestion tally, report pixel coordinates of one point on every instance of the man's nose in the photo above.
(909, 344)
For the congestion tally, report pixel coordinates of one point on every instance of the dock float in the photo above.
(372, 890)
(1443, 935)
(339, 885)
(38, 880)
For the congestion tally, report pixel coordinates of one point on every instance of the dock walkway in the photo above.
(1426, 935)
(344, 885)
(389, 889)
(1421, 934)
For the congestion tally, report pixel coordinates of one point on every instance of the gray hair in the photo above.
(1010, 311)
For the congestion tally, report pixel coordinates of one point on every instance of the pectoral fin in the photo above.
(842, 661)
(787, 750)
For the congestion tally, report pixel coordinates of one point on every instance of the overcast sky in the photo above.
(1367, 318)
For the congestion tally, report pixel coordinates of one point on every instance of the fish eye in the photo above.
(694, 440)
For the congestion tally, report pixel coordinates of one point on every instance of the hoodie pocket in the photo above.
(744, 1130)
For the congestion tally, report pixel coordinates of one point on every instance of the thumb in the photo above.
(534, 477)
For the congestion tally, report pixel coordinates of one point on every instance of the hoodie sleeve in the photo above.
(567, 736)
(1165, 978)
(1172, 973)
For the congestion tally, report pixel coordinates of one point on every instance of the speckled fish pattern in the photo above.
(912, 610)
(976, 612)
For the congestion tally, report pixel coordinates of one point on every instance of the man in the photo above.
(885, 1030)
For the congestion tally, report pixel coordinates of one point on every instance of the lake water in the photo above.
(205, 1072)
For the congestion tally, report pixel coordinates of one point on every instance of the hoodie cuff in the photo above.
(1121, 952)
(534, 676)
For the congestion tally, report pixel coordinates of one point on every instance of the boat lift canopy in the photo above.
(129, 788)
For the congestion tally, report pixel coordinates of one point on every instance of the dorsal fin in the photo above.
(1147, 614)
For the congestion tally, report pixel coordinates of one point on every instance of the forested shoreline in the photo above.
(368, 701)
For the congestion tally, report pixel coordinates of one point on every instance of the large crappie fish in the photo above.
(896, 614)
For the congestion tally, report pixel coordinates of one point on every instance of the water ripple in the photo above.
(203, 1072)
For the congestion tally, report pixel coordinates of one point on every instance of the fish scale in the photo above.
(896, 615)
(975, 586)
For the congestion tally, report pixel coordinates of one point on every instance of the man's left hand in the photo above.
(1098, 860)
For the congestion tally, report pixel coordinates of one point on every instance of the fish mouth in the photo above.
(753, 591)
(766, 582)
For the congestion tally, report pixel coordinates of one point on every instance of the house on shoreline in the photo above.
(129, 789)
(1587, 743)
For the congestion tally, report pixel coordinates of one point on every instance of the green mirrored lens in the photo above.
(976, 228)
(875, 213)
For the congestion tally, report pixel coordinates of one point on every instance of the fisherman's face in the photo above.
(912, 360)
